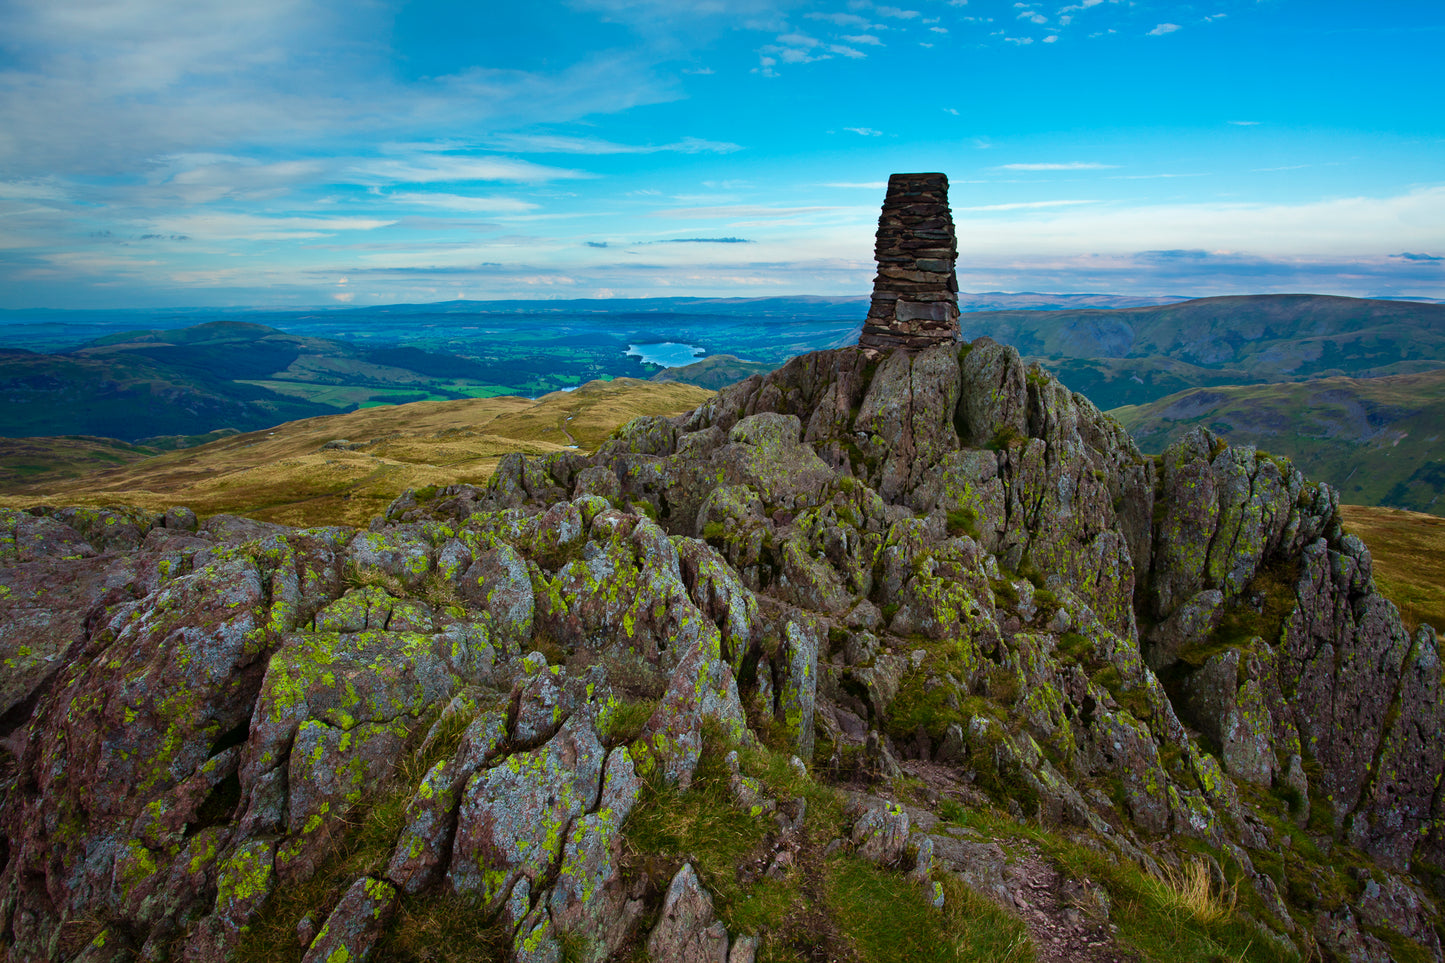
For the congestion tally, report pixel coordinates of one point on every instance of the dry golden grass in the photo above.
(1190, 891)
(286, 475)
(1409, 554)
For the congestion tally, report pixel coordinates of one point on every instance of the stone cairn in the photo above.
(915, 296)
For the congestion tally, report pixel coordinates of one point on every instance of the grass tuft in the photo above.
(1190, 891)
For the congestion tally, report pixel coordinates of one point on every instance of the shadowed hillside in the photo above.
(1136, 355)
(1379, 441)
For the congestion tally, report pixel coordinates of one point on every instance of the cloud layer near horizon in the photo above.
(159, 152)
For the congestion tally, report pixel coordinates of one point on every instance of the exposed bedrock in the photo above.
(864, 559)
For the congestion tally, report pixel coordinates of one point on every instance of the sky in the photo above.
(285, 153)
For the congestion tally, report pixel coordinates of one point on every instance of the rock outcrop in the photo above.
(938, 564)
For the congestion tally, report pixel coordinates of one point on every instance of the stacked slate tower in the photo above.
(915, 296)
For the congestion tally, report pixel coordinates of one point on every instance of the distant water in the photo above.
(669, 354)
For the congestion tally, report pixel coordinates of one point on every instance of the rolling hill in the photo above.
(1136, 355)
(338, 469)
(1379, 441)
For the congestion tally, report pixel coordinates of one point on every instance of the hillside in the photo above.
(1139, 354)
(714, 373)
(912, 656)
(1409, 553)
(1378, 441)
(220, 375)
(334, 469)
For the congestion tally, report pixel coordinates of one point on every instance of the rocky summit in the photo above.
(880, 647)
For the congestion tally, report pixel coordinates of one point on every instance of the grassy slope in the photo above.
(1376, 440)
(1409, 555)
(714, 373)
(284, 474)
(1135, 355)
(41, 461)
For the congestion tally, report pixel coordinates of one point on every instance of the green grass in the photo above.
(969, 927)
(1408, 549)
(837, 906)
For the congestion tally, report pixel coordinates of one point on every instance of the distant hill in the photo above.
(1379, 441)
(1136, 355)
(714, 373)
(231, 372)
(232, 375)
(340, 469)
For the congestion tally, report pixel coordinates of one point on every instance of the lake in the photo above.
(669, 354)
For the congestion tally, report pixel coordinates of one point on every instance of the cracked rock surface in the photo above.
(936, 576)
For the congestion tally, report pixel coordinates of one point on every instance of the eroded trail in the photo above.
(1067, 918)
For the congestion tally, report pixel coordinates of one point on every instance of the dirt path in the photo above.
(1063, 915)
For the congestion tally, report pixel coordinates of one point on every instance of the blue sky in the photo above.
(289, 152)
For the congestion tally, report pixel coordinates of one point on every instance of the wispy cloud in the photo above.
(864, 131)
(458, 202)
(561, 144)
(252, 227)
(840, 19)
(435, 168)
(1164, 28)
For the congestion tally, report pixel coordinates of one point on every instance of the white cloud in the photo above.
(897, 13)
(1353, 226)
(841, 19)
(561, 144)
(1164, 28)
(867, 40)
(846, 51)
(1245, 123)
(1053, 38)
(865, 131)
(433, 168)
(33, 190)
(458, 202)
(252, 227)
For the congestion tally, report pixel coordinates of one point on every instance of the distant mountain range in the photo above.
(230, 374)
